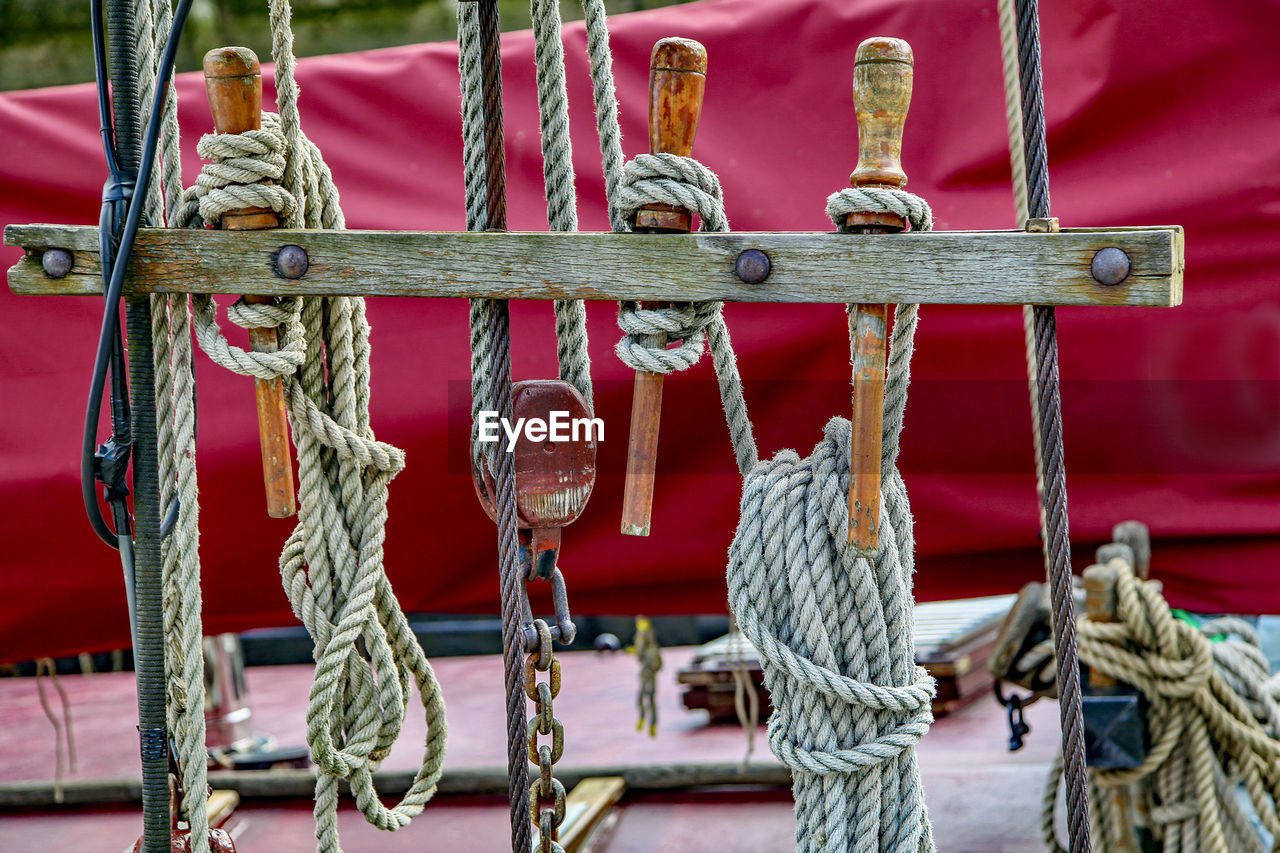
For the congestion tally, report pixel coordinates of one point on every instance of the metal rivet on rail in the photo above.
(292, 262)
(1110, 266)
(56, 262)
(753, 266)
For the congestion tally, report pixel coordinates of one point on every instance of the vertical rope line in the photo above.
(558, 181)
(1057, 546)
(1018, 171)
(607, 127)
(175, 426)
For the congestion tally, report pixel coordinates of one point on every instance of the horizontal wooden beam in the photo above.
(959, 267)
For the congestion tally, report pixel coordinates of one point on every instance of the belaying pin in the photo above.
(882, 75)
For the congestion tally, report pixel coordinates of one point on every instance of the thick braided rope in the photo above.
(557, 172)
(175, 433)
(1213, 720)
(332, 564)
(834, 630)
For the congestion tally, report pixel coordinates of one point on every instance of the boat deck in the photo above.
(981, 797)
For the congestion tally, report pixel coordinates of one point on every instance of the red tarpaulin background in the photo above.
(1157, 113)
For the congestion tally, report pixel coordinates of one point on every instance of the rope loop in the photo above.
(648, 332)
(284, 315)
(675, 180)
(879, 200)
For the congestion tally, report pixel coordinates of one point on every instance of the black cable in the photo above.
(118, 225)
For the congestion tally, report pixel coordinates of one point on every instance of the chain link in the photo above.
(546, 793)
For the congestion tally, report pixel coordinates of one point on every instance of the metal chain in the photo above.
(546, 793)
(1057, 545)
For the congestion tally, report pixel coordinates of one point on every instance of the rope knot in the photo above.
(901, 716)
(879, 200)
(649, 330)
(671, 179)
(239, 174)
(683, 182)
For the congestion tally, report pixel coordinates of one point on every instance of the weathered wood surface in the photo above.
(869, 330)
(944, 267)
(254, 784)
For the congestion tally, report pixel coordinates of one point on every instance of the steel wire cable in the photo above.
(1057, 544)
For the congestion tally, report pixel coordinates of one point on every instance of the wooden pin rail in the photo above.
(938, 267)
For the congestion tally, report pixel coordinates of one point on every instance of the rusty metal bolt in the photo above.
(753, 266)
(56, 262)
(1110, 266)
(292, 262)
(1043, 225)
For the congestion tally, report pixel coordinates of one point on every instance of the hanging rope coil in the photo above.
(335, 583)
(1213, 721)
(332, 564)
(834, 630)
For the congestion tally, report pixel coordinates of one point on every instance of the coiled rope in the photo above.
(834, 630)
(1213, 720)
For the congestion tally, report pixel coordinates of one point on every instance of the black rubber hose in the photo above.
(149, 617)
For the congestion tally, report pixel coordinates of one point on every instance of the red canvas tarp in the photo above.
(1157, 114)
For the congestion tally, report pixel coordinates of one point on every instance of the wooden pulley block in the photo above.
(555, 466)
(1025, 626)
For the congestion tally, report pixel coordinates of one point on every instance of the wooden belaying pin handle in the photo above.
(677, 79)
(233, 80)
(882, 75)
